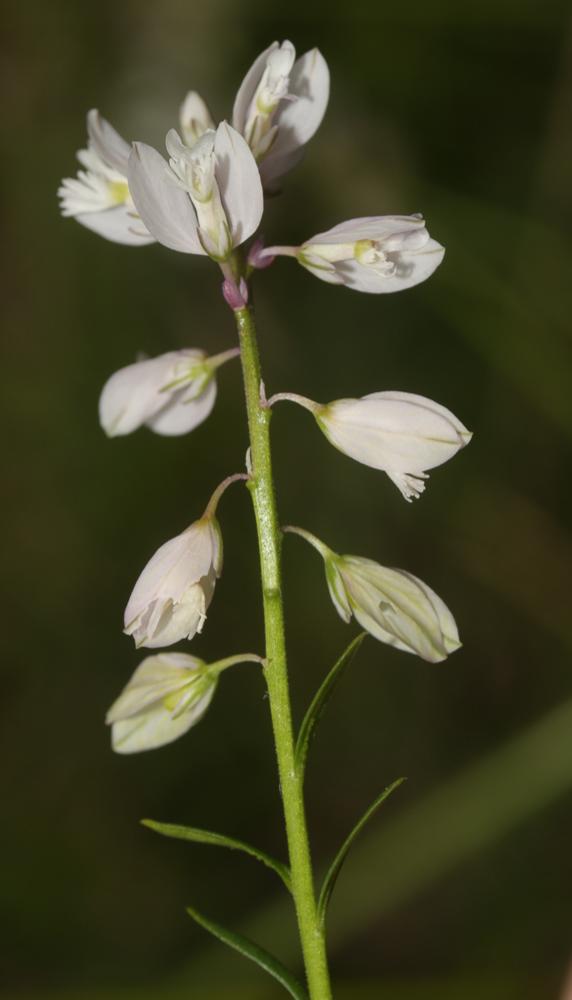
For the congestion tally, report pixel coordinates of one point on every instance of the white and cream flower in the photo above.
(392, 605)
(171, 394)
(170, 599)
(98, 197)
(376, 254)
(280, 105)
(207, 200)
(400, 433)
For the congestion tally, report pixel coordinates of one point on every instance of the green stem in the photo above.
(261, 486)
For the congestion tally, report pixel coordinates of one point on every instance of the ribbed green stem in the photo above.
(269, 539)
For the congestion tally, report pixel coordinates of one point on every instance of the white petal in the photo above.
(156, 727)
(175, 566)
(239, 183)
(194, 117)
(174, 622)
(120, 225)
(412, 267)
(181, 414)
(248, 87)
(133, 394)
(395, 432)
(391, 602)
(165, 208)
(298, 120)
(153, 680)
(369, 227)
(109, 145)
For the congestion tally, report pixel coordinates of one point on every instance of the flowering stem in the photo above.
(261, 486)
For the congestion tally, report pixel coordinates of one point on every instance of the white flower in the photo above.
(209, 198)
(383, 253)
(171, 596)
(279, 106)
(398, 432)
(195, 118)
(392, 605)
(99, 196)
(166, 696)
(171, 394)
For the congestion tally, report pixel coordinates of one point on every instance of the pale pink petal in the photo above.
(370, 227)
(299, 119)
(248, 87)
(120, 225)
(180, 416)
(239, 183)
(164, 207)
(109, 145)
(412, 267)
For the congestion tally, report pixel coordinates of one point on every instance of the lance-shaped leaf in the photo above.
(336, 866)
(198, 836)
(314, 713)
(254, 952)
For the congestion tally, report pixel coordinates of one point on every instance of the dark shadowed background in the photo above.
(460, 888)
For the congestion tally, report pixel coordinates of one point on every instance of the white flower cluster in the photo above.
(207, 197)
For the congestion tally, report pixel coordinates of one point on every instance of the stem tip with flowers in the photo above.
(207, 198)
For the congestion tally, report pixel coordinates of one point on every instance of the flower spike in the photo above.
(392, 605)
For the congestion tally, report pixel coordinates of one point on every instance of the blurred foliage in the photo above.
(462, 111)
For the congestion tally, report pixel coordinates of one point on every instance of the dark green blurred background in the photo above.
(461, 886)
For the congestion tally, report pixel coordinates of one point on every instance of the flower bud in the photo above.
(397, 432)
(392, 605)
(172, 394)
(166, 696)
(195, 118)
(171, 596)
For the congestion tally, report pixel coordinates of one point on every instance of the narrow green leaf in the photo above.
(250, 950)
(336, 866)
(219, 840)
(320, 700)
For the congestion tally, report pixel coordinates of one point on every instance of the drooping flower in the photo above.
(99, 196)
(384, 253)
(279, 106)
(172, 394)
(171, 596)
(167, 695)
(392, 605)
(398, 432)
(207, 200)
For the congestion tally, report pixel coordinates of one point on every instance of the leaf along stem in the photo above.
(198, 836)
(336, 866)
